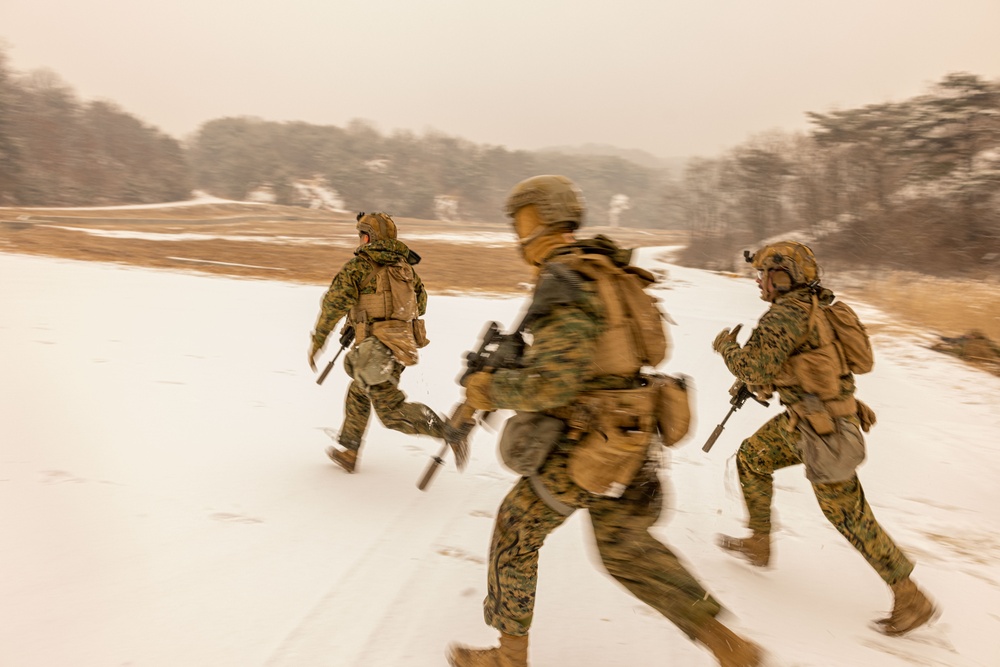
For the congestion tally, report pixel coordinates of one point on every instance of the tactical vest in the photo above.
(390, 313)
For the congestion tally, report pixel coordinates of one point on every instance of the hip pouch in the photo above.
(420, 333)
(370, 363)
(607, 458)
(673, 407)
(831, 457)
(527, 439)
(397, 335)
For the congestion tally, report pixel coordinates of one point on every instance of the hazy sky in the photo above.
(673, 77)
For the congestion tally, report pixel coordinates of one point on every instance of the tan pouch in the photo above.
(420, 333)
(605, 464)
(833, 457)
(866, 416)
(818, 371)
(362, 329)
(398, 337)
(673, 407)
(814, 411)
(608, 457)
(527, 439)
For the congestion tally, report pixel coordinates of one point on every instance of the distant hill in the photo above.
(640, 157)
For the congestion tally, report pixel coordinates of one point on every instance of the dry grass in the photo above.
(948, 307)
(299, 245)
(274, 243)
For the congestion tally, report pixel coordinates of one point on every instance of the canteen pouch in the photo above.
(833, 457)
(673, 407)
(370, 363)
(527, 439)
(420, 333)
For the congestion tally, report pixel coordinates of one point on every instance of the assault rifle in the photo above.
(497, 350)
(741, 394)
(346, 338)
(557, 285)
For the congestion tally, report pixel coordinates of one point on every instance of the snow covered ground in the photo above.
(165, 500)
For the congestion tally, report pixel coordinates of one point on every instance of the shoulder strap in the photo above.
(375, 267)
(558, 284)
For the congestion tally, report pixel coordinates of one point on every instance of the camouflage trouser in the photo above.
(773, 447)
(391, 408)
(638, 561)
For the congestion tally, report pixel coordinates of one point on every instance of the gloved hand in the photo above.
(477, 391)
(726, 337)
(314, 350)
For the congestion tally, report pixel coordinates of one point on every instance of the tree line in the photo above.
(58, 151)
(914, 183)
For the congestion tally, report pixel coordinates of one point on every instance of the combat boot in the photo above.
(512, 652)
(910, 609)
(345, 458)
(756, 548)
(729, 648)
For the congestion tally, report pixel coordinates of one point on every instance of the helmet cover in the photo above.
(378, 226)
(792, 257)
(557, 199)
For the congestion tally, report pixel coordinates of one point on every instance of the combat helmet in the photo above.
(792, 257)
(557, 199)
(378, 226)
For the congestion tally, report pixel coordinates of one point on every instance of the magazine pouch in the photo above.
(609, 455)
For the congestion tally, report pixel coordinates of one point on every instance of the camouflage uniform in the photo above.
(553, 375)
(774, 446)
(389, 401)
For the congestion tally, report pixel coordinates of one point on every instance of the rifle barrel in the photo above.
(329, 366)
(711, 440)
(326, 371)
(432, 468)
(718, 429)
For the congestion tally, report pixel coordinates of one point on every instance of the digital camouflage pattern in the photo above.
(386, 397)
(779, 334)
(554, 373)
(637, 560)
(392, 409)
(774, 447)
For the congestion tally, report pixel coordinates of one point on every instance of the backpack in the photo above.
(635, 335)
(394, 297)
(852, 336)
